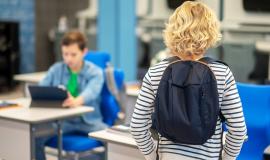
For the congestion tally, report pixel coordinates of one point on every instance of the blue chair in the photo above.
(256, 107)
(76, 143)
(99, 58)
(110, 114)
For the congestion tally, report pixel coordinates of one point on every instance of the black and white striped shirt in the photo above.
(230, 105)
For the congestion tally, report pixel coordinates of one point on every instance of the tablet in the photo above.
(47, 96)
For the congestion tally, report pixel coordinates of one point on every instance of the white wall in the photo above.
(157, 9)
(234, 12)
(160, 9)
(214, 5)
(142, 7)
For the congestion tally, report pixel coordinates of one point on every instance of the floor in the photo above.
(89, 157)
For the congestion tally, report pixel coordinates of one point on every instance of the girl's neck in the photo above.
(191, 57)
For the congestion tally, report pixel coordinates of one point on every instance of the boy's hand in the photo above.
(72, 101)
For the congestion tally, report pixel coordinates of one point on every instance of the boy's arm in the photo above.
(94, 86)
(231, 108)
(47, 80)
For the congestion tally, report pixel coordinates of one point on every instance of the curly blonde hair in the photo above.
(192, 29)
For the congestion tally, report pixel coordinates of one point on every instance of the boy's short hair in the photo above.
(192, 29)
(74, 37)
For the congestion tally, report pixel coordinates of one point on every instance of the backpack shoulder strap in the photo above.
(209, 60)
(172, 59)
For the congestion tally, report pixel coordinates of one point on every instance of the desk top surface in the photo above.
(30, 77)
(118, 137)
(38, 115)
(133, 88)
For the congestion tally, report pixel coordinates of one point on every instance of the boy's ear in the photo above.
(85, 50)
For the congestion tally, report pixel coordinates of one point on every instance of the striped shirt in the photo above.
(230, 105)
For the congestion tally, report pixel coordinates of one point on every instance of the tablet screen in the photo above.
(47, 93)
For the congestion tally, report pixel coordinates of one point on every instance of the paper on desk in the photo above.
(120, 129)
(6, 104)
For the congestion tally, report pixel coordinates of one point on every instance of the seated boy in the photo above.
(83, 81)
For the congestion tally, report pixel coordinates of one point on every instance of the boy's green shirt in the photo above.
(72, 85)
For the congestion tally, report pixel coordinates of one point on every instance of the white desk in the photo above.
(30, 77)
(132, 91)
(119, 146)
(17, 130)
(123, 146)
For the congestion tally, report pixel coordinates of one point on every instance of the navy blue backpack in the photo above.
(187, 102)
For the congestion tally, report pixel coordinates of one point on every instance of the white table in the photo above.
(17, 139)
(119, 146)
(132, 91)
(30, 77)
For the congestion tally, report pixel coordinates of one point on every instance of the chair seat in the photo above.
(75, 142)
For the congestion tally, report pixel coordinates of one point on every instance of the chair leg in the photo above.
(76, 157)
(72, 156)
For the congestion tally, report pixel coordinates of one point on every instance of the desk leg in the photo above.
(32, 142)
(60, 145)
(269, 68)
(118, 152)
(106, 151)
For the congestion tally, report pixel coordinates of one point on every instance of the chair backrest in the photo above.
(109, 106)
(98, 57)
(256, 106)
(256, 103)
